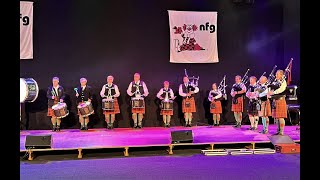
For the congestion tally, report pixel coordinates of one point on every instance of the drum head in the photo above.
(82, 105)
(59, 106)
(23, 90)
(54, 107)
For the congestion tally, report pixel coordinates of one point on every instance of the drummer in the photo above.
(83, 94)
(137, 89)
(166, 96)
(55, 94)
(110, 91)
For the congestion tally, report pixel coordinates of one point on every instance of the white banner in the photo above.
(26, 30)
(193, 37)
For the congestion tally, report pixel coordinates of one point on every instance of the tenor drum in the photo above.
(60, 110)
(137, 102)
(28, 90)
(85, 109)
(108, 104)
(167, 105)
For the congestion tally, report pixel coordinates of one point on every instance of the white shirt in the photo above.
(83, 87)
(181, 93)
(56, 91)
(102, 92)
(145, 89)
(161, 92)
(210, 97)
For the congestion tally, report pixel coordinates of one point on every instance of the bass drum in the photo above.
(29, 90)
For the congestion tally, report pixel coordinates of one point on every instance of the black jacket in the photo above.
(84, 95)
(60, 92)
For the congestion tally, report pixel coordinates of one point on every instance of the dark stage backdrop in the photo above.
(94, 39)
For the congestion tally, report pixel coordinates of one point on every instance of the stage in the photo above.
(74, 139)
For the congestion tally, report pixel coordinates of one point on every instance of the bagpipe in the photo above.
(237, 87)
(222, 88)
(193, 81)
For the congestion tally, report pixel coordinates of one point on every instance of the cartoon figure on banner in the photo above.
(189, 43)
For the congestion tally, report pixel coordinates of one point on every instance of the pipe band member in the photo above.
(137, 90)
(187, 91)
(55, 94)
(166, 95)
(109, 94)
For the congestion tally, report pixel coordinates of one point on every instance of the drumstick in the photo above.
(76, 89)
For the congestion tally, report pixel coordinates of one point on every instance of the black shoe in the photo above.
(278, 133)
(218, 124)
(53, 128)
(189, 125)
(58, 128)
(236, 125)
(82, 128)
(139, 127)
(86, 128)
(251, 128)
(168, 125)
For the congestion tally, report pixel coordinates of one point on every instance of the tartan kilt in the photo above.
(239, 106)
(79, 111)
(281, 108)
(252, 108)
(50, 110)
(116, 109)
(166, 112)
(265, 109)
(217, 109)
(191, 108)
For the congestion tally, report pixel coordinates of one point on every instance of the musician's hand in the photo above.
(77, 94)
(270, 93)
(53, 97)
(189, 94)
(161, 98)
(61, 100)
(233, 93)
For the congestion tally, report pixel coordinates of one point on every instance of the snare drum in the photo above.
(137, 102)
(28, 90)
(167, 105)
(108, 104)
(60, 110)
(85, 109)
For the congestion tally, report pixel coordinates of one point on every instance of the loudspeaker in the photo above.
(181, 136)
(38, 142)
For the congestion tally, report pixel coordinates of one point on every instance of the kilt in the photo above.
(50, 110)
(166, 112)
(217, 109)
(265, 109)
(239, 106)
(281, 108)
(192, 106)
(79, 111)
(116, 109)
(252, 108)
